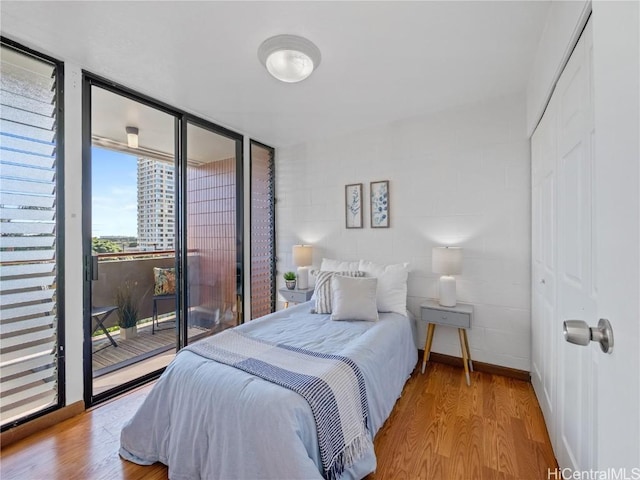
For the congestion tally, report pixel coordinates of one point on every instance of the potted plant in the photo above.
(290, 280)
(128, 309)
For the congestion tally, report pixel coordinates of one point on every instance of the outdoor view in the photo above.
(119, 222)
(133, 242)
(115, 224)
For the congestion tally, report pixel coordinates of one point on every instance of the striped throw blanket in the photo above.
(332, 385)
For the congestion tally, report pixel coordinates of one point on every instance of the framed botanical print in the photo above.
(353, 205)
(380, 204)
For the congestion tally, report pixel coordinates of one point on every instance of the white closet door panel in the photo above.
(575, 298)
(544, 265)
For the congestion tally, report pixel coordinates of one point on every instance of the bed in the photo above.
(209, 420)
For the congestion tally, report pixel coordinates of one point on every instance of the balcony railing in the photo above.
(208, 315)
(136, 268)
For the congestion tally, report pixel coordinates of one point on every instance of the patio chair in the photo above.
(100, 314)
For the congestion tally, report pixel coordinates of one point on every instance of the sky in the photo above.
(114, 193)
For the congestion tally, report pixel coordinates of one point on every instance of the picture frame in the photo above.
(380, 204)
(353, 205)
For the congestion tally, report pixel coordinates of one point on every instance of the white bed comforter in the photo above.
(207, 420)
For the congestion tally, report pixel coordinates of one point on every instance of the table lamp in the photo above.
(447, 261)
(302, 258)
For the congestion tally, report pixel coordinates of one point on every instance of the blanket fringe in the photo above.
(351, 454)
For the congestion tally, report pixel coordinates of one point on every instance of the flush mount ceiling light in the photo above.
(132, 137)
(289, 58)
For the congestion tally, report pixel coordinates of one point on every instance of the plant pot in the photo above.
(128, 333)
(291, 284)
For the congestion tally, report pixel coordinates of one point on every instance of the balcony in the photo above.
(154, 346)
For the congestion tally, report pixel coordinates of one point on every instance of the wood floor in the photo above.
(443, 429)
(439, 429)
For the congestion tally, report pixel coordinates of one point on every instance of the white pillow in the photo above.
(322, 292)
(354, 298)
(329, 265)
(392, 285)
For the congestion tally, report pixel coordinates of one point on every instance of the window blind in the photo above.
(262, 231)
(28, 263)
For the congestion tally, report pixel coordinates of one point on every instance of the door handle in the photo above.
(579, 333)
(91, 268)
(94, 267)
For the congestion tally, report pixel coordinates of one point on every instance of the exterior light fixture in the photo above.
(132, 137)
(289, 58)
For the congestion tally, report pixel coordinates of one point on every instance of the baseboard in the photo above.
(22, 431)
(477, 366)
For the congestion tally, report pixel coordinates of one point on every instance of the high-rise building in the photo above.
(156, 201)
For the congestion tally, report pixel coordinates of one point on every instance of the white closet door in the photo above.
(590, 399)
(562, 259)
(576, 298)
(616, 97)
(543, 271)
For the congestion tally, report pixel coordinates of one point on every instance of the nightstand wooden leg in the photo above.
(286, 304)
(465, 359)
(431, 331)
(466, 344)
(427, 346)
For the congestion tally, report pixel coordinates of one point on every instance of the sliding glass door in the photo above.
(130, 231)
(212, 193)
(163, 223)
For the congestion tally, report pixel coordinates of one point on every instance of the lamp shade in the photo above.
(302, 255)
(446, 260)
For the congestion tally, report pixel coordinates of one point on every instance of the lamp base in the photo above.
(447, 291)
(303, 278)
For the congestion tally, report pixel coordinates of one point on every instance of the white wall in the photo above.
(459, 177)
(73, 265)
(564, 22)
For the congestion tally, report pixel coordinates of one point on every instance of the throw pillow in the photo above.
(392, 285)
(354, 298)
(322, 292)
(165, 281)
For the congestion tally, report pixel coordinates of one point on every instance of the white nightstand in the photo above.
(295, 296)
(459, 316)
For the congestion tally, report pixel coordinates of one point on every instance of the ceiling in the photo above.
(112, 113)
(381, 61)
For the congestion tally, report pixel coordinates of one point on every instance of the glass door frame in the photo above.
(181, 221)
(90, 80)
(180, 151)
